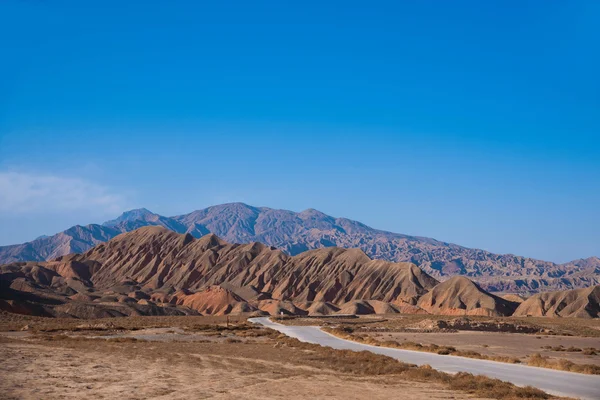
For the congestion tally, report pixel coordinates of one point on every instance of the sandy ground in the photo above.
(503, 344)
(99, 370)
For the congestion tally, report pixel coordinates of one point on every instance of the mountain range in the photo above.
(294, 233)
(155, 271)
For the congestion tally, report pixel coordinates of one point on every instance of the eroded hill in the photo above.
(152, 267)
(155, 271)
(294, 233)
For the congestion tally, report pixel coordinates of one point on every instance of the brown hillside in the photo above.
(153, 266)
(582, 303)
(460, 296)
(515, 298)
(157, 258)
(154, 271)
(214, 300)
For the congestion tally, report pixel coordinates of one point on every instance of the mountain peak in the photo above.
(132, 215)
(211, 240)
(235, 207)
(312, 213)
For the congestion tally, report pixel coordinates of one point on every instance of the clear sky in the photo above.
(476, 123)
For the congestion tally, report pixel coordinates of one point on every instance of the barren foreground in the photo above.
(103, 370)
(201, 357)
(509, 345)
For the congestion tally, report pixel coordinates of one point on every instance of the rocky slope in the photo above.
(158, 258)
(154, 266)
(460, 296)
(582, 303)
(294, 233)
(155, 271)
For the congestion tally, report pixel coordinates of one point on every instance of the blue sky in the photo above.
(476, 122)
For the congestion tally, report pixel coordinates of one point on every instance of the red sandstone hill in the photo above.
(155, 271)
(582, 303)
(157, 258)
(155, 267)
(460, 296)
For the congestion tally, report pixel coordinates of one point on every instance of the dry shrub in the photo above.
(408, 345)
(477, 385)
(570, 349)
(347, 361)
(537, 360)
(125, 340)
(52, 338)
(426, 373)
(241, 330)
(220, 328)
(346, 329)
(367, 363)
(256, 333)
(495, 388)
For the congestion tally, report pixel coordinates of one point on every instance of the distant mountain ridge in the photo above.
(294, 233)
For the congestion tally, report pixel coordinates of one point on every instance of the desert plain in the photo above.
(226, 357)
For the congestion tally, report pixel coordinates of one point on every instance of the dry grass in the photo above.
(537, 360)
(479, 385)
(494, 388)
(274, 346)
(367, 363)
(346, 333)
(589, 351)
(63, 337)
(100, 369)
(582, 327)
(16, 322)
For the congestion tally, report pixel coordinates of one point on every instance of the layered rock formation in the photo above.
(581, 303)
(155, 271)
(153, 266)
(460, 296)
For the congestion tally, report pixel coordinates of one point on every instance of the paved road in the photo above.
(555, 382)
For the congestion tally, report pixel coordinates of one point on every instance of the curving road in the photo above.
(555, 382)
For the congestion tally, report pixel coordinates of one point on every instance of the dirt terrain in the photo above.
(101, 370)
(516, 345)
(551, 343)
(200, 357)
(583, 327)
